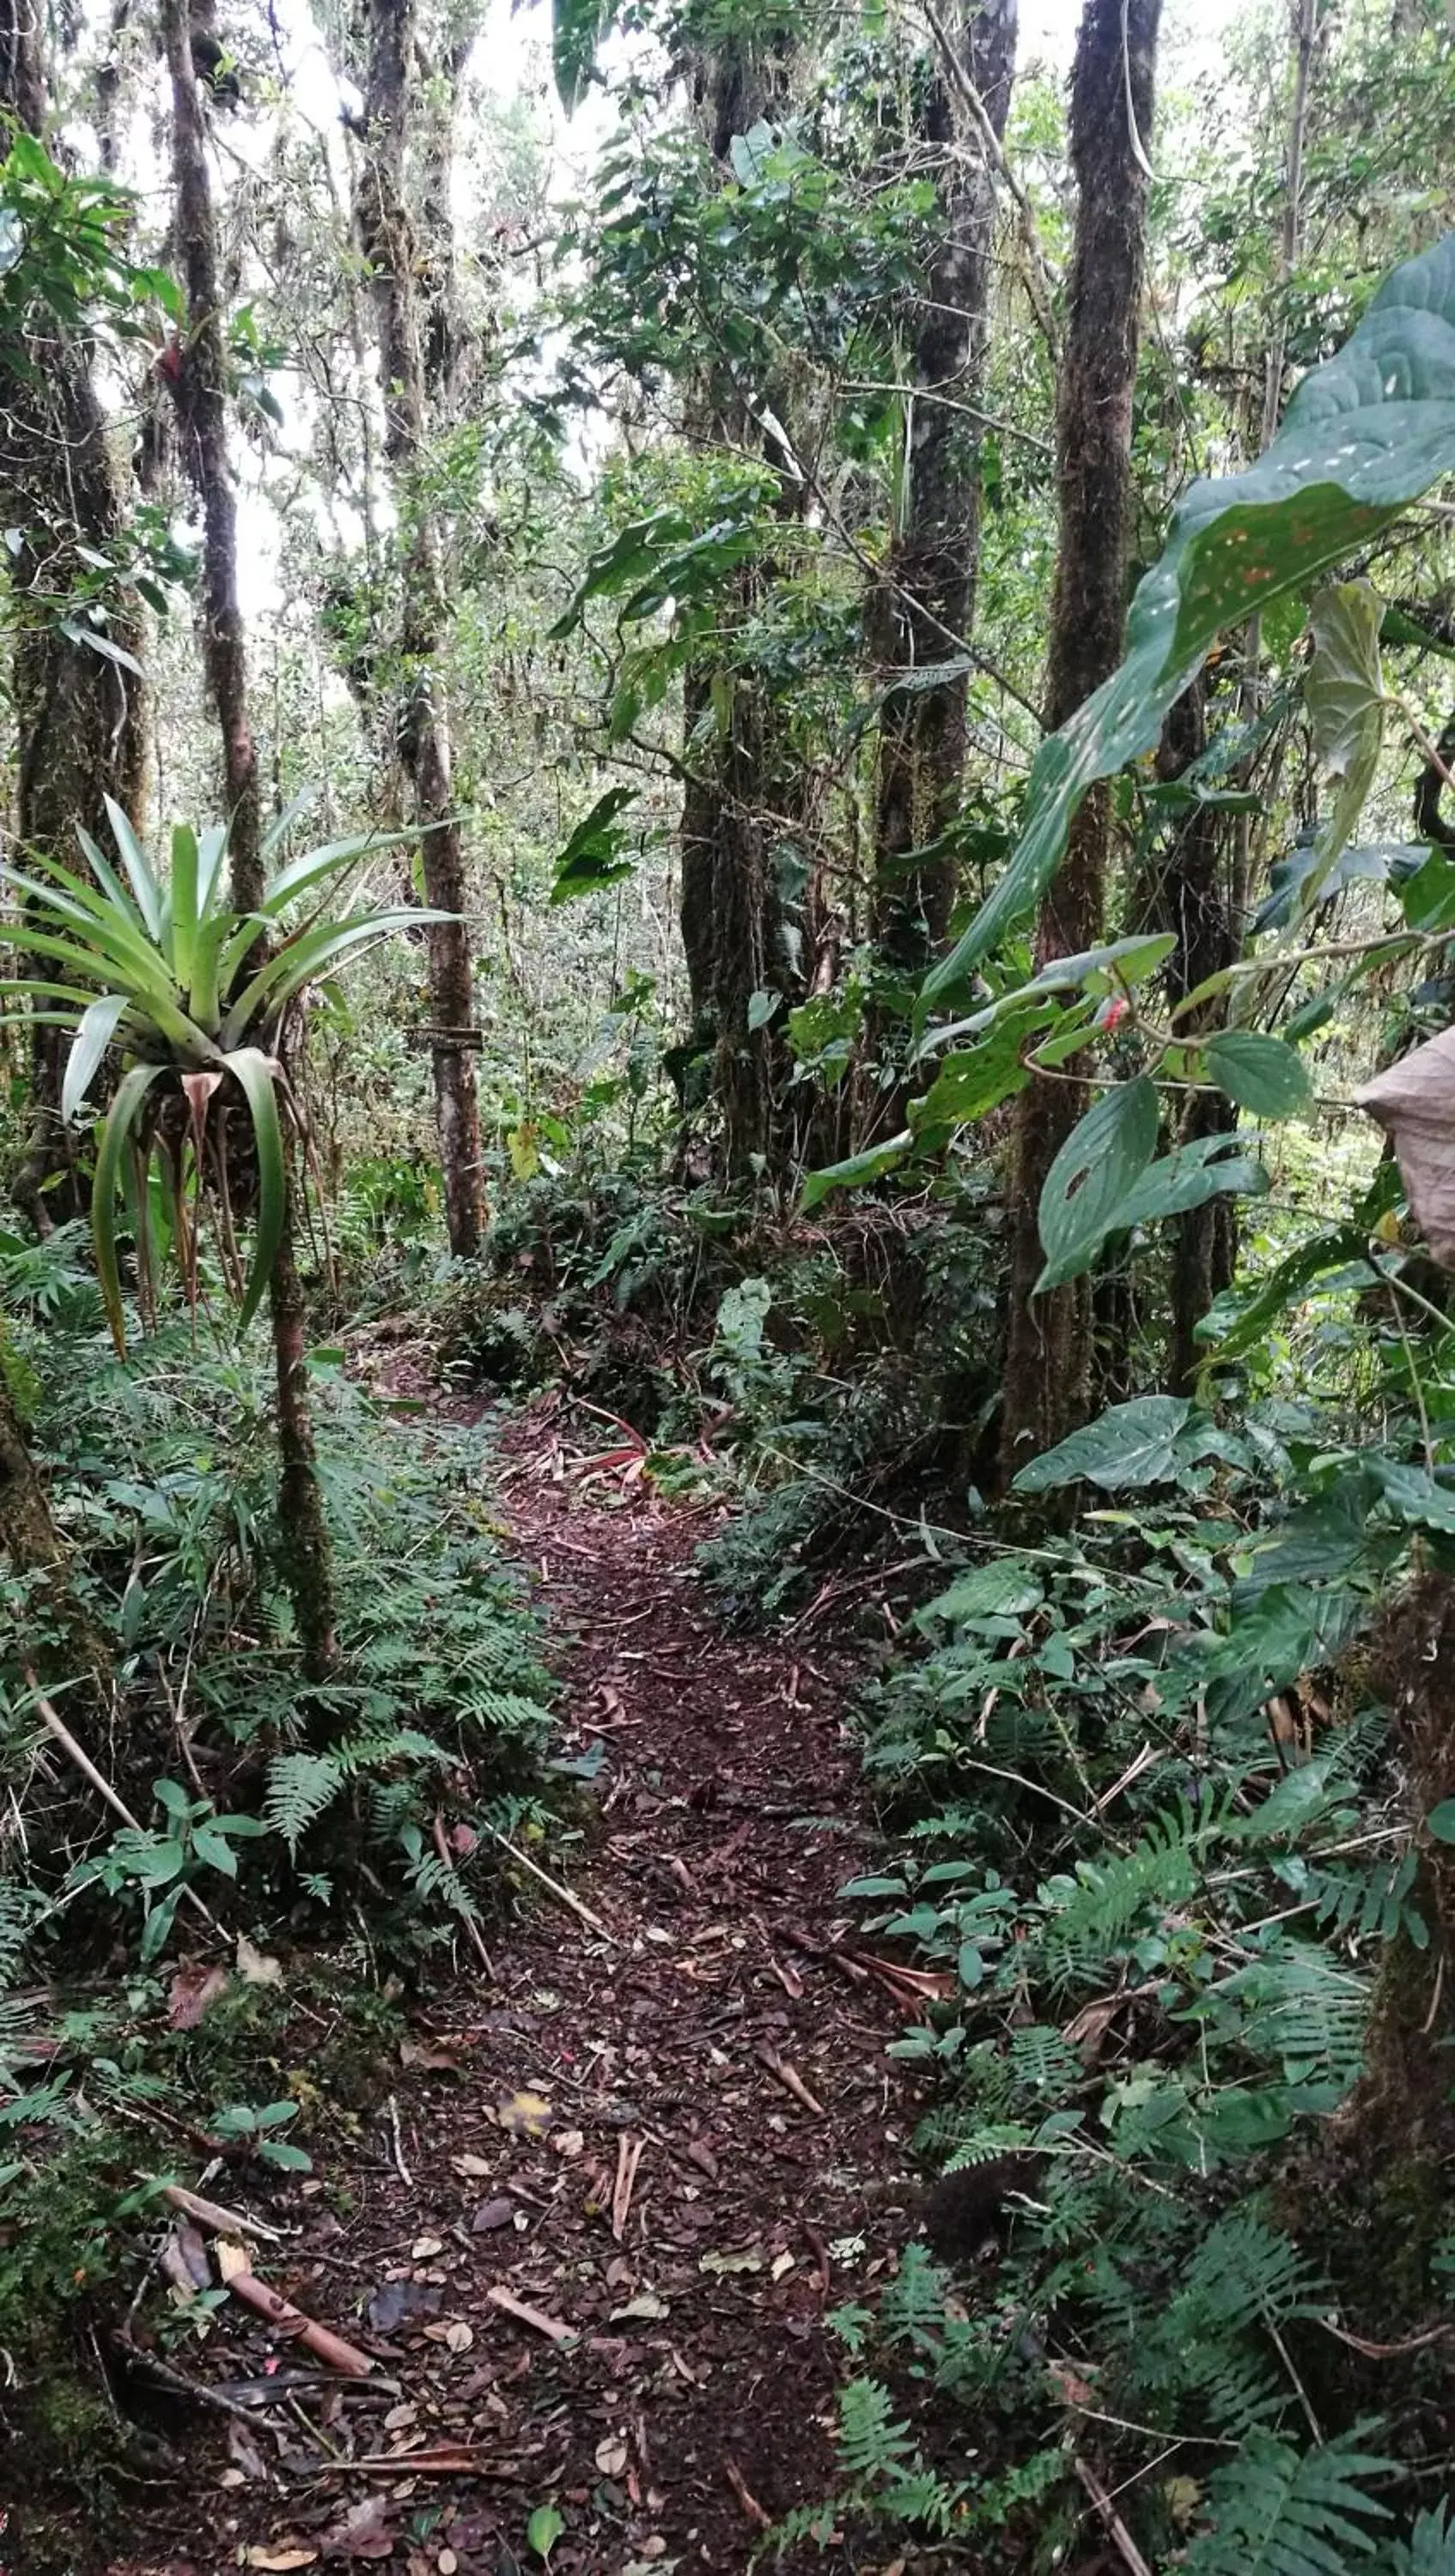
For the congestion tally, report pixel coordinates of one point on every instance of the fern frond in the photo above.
(1275, 2511)
(299, 1788)
(871, 2444)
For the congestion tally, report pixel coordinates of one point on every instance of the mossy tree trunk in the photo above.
(744, 868)
(1048, 1365)
(200, 386)
(80, 717)
(924, 608)
(414, 345)
(1193, 901)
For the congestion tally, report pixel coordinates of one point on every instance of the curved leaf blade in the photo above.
(114, 1136)
(1364, 436)
(95, 1031)
(255, 1072)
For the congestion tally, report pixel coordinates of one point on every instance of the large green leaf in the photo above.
(577, 27)
(181, 913)
(314, 952)
(1344, 693)
(113, 1138)
(1132, 1444)
(1261, 1073)
(1208, 1167)
(138, 868)
(1092, 1176)
(593, 856)
(851, 1174)
(1364, 436)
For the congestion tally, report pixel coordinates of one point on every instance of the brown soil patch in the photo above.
(698, 2120)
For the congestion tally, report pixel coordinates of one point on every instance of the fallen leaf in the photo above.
(430, 2057)
(446, 2563)
(569, 2143)
(425, 2246)
(490, 2215)
(366, 2531)
(191, 1991)
(393, 2301)
(646, 2305)
(700, 2154)
(256, 1967)
(455, 2335)
(782, 2263)
(233, 2260)
(747, 2261)
(611, 2456)
(275, 2560)
(543, 2530)
(523, 2115)
(474, 2168)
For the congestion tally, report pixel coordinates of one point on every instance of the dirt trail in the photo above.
(701, 2176)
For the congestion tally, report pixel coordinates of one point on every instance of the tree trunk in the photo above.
(1048, 1355)
(388, 240)
(744, 795)
(1193, 903)
(925, 604)
(198, 374)
(200, 386)
(80, 718)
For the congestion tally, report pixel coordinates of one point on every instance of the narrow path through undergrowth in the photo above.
(594, 2241)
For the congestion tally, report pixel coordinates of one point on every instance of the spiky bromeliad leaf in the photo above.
(98, 1025)
(1280, 2512)
(116, 1133)
(257, 1074)
(1364, 436)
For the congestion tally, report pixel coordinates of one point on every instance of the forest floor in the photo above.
(590, 2240)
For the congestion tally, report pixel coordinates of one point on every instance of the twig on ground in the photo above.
(473, 1932)
(562, 1894)
(628, 2157)
(745, 2496)
(1116, 2530)
(289, 2321)
(397, 2144)
(210, 2213)
(553, 2328)
(790, 2079)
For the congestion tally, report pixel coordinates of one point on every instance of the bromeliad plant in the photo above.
(192, 992)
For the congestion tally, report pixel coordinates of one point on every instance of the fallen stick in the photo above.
(285, 2319)
(745, 2496)
(1116, 2530)
(790, 2079)
(524, 2315)
(210, 2213)
(562, 1894)
(473, 1932)
(628, 2157)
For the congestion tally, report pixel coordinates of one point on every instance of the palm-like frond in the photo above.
(152, 960)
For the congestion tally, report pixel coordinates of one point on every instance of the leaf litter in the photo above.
(590, 2273)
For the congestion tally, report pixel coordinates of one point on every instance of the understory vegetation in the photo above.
(742, 719)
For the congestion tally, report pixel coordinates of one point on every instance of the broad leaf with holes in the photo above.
(1364, 436)
(1093, 1176)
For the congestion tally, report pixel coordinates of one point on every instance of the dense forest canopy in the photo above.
(729, 858)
